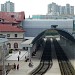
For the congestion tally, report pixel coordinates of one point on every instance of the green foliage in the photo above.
(10, 51)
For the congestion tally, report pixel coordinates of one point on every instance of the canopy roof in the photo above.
(60, 31)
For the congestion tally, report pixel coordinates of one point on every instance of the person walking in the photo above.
(19, 52)
(18, 58)
(18, 67)
(25, 57)
(14, 66)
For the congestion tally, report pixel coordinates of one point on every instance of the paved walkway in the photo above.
(15, 54)
(24, 68)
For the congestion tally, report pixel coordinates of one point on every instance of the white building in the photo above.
(14, 35)
(7, 7)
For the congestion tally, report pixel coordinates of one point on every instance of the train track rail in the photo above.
(66, 67)
(46, 60)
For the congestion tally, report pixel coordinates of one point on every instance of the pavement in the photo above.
(15, 54)
(24, 69)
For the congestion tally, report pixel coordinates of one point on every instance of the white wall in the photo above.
(19, 41)
(12, 39)
(12, 34)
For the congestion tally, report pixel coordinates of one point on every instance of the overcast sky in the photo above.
(35, 7)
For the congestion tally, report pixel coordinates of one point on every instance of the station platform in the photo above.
(55, 70)
(24, 68)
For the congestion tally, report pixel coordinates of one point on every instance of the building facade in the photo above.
(54, 9)
(7, 7)
(11, 26)
(14, 35)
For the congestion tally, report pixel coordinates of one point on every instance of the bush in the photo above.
(10, 51)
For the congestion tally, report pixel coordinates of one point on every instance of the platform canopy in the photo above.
(31, 41)
(61, 32)
(27, 43)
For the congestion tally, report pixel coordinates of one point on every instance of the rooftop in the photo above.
(10, 28)
(12, 17)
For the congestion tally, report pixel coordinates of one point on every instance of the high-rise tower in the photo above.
(7, 7)
(54, 9)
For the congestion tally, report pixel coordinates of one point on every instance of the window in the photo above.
(12, 16)
(15, 35)
(15, 45)
(9, 45)
(1, 34)
(25, 48)
(8, 35)
(1, 20)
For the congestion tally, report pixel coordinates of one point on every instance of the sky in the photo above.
(36, 7)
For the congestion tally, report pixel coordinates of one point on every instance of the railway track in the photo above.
(46, 60)
(66, 67)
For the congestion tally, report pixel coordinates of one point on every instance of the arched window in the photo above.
(15, 45)
(9, 45)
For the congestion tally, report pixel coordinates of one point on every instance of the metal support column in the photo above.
(29, 54)
(3, 60)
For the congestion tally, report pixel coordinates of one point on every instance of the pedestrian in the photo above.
(30, 64)
(19, 52)
(18, 67)
(18, 58)
(14, 66)
(25, 57)
(8, 64)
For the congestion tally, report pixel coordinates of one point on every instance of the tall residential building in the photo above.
(54, 9)
(62, 10)
(7, 7)
(72, 10)
(67, 9)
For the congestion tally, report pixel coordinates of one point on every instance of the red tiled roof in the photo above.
(10, 28)
(12, 17)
